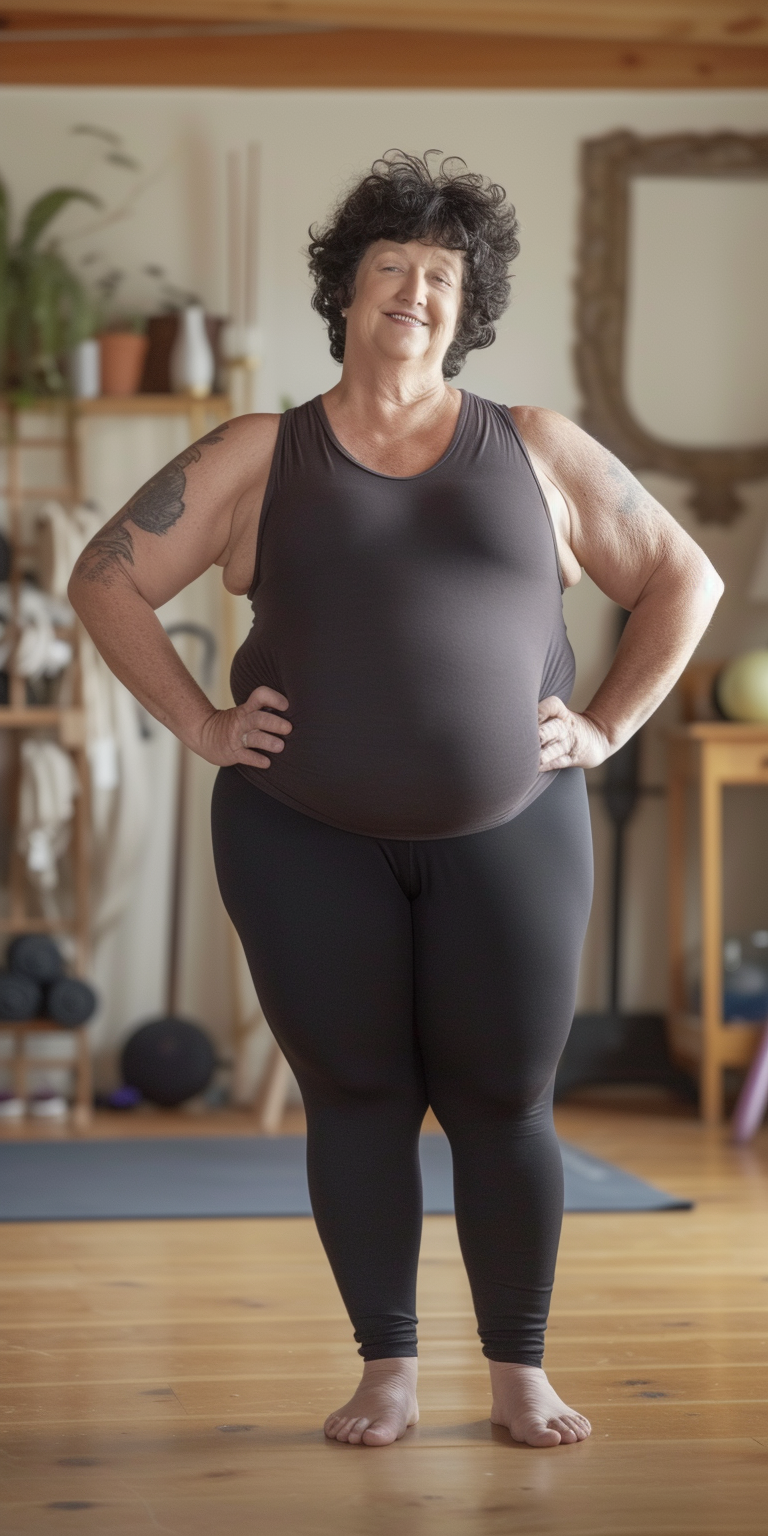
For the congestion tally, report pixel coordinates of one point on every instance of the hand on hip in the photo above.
(247, 733)
(568, 740)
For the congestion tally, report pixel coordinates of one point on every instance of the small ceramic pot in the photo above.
(122, 362)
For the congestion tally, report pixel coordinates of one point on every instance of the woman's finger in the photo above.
(270, 725)
(253, 759)
(552, 708)
(264, 721)
(262, 696)
(261, 740)
(550, 730)
(559, 757)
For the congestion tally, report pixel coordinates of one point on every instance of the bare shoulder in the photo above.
(595, 484)
(616, 530)
(565, 447)
(253, 431)
(245, 440)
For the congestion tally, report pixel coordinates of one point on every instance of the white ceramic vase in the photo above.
(192, 364)
(85, 370)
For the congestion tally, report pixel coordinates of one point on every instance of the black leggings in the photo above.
(400, 974)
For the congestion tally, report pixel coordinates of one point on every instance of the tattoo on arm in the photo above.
(155, 508)
(631, 494)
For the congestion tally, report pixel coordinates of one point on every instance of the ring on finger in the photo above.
(243, 740)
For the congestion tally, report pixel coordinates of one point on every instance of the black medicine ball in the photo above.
(168, 1060)
(37, 956)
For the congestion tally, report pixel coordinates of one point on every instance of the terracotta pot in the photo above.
(122, 362)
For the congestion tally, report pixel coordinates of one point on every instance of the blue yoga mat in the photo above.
(204, 1176)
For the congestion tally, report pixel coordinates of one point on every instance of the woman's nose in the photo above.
(413, 290)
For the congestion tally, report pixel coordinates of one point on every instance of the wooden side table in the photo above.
(713, 754)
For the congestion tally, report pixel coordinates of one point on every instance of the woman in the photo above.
(400, 821)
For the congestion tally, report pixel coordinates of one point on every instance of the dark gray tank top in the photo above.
(412, 623)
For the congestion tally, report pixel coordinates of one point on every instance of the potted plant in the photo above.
(45, 308)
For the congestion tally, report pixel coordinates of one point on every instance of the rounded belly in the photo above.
(390, 747)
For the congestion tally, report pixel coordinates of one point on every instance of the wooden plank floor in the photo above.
(173, 1376)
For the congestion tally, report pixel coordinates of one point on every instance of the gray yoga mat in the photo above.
(207, 1176)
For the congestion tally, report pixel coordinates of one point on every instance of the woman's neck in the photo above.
(391, 398)
(392, 425)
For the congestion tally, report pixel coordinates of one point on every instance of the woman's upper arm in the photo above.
(616, 530)
(186, 517)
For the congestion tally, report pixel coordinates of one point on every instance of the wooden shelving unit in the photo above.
(68, 721)
(711, 755)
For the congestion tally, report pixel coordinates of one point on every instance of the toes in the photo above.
(565, 1430)
(541, 1438)
(540, 1434)
(580, 1426)
(357, 1430)
(379, 1434)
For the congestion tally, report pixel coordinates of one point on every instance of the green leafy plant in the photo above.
(45, 308)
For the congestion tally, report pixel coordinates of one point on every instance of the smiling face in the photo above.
(406, 302)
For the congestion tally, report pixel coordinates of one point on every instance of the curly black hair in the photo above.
(401, 199)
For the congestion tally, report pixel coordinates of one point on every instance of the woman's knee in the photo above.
(492, 1095)
(346, 1080)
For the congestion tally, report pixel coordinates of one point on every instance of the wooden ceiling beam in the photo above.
(733, 23)
(378, 60)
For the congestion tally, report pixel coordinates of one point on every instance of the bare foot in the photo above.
(382, 1408)
(526, 1405)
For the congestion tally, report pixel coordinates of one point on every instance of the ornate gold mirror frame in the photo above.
(608, 164)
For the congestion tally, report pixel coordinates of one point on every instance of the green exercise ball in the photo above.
(742, 687)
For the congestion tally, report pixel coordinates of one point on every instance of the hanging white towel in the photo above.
(40, 652)
(47, 791)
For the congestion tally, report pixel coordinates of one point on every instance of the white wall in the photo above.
(313, 143)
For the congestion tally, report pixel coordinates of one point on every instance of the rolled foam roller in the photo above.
(70, 1002)
(20, 997)
(37, 956)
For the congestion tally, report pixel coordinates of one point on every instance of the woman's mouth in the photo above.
(403, 319)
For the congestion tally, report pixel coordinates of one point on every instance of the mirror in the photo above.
(674, 266)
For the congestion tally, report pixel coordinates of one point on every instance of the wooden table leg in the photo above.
(711, 814)
(679, 1003)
